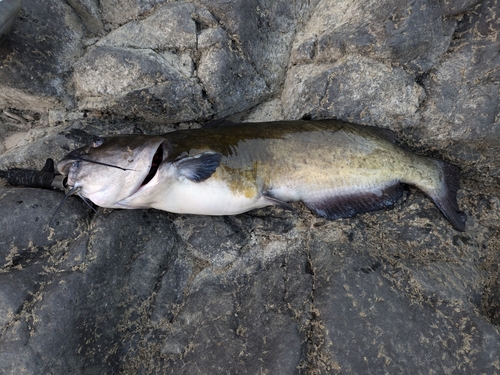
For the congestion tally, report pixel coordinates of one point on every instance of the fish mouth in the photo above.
(155, 164)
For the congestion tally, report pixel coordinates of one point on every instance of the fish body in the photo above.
(337, 169)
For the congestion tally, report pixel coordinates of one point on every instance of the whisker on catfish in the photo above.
(87, 202)
(71, 192)
(105, 164)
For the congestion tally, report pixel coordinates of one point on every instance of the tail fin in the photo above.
(446, 197)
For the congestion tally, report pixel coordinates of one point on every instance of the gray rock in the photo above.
(463, 93)
(139, 82)
(377, 292)
(221, 45)
(38, 54)
(118, 12)
(25, 215)
(170, 27)
(269, 291)
(332, 90)
(9, 11)
(262, 32)
(88, 11)
(410, 34)
(229, 80)
(145, 68)
(72, 292)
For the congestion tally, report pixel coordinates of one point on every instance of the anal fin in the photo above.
(348, 204)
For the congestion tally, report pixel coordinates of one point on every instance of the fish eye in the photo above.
(97, 142)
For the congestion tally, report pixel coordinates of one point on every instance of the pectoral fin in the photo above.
(199, 167)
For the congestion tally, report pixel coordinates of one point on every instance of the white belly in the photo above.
(210, 197)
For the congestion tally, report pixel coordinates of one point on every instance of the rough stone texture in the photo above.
(145, 68)
(141, 82)
(170, 27)
(269, 291)
(37, 54)
(463, 91)
(118, 12)
(383, 31)
(223, 50)
(239, 87)
(390, 96)
(88, 11)
(261, 32)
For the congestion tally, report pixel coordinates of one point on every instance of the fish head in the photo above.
(114, 168)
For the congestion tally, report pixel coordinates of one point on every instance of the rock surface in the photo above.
(269, 291)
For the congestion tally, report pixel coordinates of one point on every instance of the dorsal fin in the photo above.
(217, 124)
(385, 133)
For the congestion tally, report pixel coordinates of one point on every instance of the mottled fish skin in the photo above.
(337, 169)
